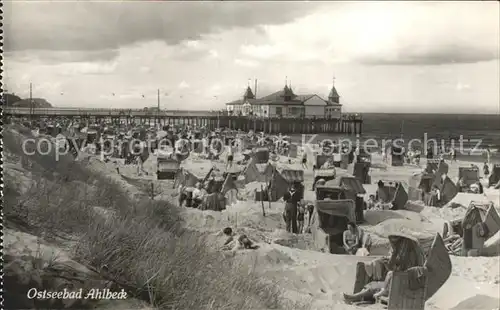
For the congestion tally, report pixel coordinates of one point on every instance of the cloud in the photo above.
(392, 33)
(184, 85)
(432, 55)
(246, 62)
(369, 47)
(85, 25)
(213, 53)
(461, 86)
(261, 51)
(87, 68)
(57, 57)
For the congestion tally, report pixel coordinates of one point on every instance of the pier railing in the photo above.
(99, 112)
(348, 123)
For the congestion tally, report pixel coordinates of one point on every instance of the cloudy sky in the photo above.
(386, 57)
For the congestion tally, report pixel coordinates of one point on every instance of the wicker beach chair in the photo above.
(320, 160)
(261, 155)
(470, 175)
(393, 192)
(403, 293)
(167, 168)
(481, 221)
(495, 175)
(361, 172)
(325, 174)
(328, 222)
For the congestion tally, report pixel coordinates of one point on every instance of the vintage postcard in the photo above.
(251, 155)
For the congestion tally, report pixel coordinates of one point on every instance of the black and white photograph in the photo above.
(247, 155)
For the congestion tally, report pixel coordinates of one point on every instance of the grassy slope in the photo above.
(142, 246)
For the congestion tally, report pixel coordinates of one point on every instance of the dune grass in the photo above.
(141, 245)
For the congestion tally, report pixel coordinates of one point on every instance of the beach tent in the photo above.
(470, 175)
(189, 177)
(448, 190)
(233, 170)
(352, 185)
(167, 168)
(258, 172)
(218, 177)
(266, 170)
(252, 174)
(481, 221)
(393, 192)
(215, 202)
(214, 184)
(328, 223)
(361, 172)
(432, 165)
(278, 186)
(420, 183)
(411, 288)
(495, 175)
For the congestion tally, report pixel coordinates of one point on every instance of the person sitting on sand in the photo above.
(181, 195)
(404, 254)
(351, 239)
(435, 190)
(198, 194)
(371, 204)
(328, 164)
(380, 195)
(474, 188)
(461, 185)
(477, 188)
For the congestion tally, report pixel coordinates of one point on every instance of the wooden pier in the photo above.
(347, 124)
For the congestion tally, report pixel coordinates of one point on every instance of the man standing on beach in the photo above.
(292, 198)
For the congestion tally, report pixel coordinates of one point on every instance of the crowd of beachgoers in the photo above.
(413, 211)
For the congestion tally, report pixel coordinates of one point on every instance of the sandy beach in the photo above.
(322, 278)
